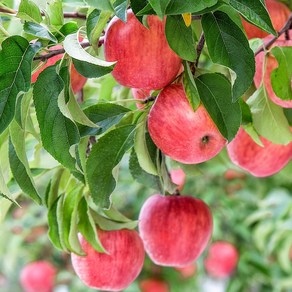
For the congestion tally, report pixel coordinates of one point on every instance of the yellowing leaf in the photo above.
(187, 18)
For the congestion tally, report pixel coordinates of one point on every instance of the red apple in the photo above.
(221, 260)
(175, 229)
(271, 64)
(279, 14)
(153, 285)
(140, 94)
(257, 160)
(114, 271)
(77, 80)
(38, 277)
(144, 58)
(178, 177)
(182, 134)
(187, 271)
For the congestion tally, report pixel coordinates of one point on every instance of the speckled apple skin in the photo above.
(114, 271)
(221, 260)
(257, 160)
(175, 229)
(178, 131)
(38, 276)
(77, 80)
(144, 58)
(271, 64)
(279, 14)
(153, 285)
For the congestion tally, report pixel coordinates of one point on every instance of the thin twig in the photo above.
(196, 17)
(200, 47)
(285, 28)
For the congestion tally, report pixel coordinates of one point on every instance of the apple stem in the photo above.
(91, 142)
(200, 46)
(176, 193)
(284, 29)
(148, 99)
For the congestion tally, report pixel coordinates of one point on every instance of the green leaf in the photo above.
(192, 6)
(29, 11)
(215, 93)
(281, 76)
(39, 31)
(190, 87)
(120, 7)
(268, 118)
(87, 226)
(246, 113)
(86, 64)
(54, 12)
(66, 29)
(228, 46)
(58, 133)
(91, 21)
(100, 4)
(70, 220)
(141, 147)
(255, 12)
(249, 128)
(159, 6)
(15, 74)
(102, 162)
(180, 38)
(104, 115)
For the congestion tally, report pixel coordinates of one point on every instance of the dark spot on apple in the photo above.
(205, 139)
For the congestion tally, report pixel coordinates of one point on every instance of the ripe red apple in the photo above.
(114, 271)
(178, 177)
(153, 285)
(144, 58)
(257, 160)
(175, 229)
(279, 14)
(221, 260)
(38, 277)
(182, 134)
(271, 64)
(187, 271)
(77, 80)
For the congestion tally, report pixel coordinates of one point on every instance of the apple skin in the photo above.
(77, 80)
(279, 14)
(271, 64)
(187, 271)
(257, 160)
(180, 132)
(221, 260)
(38, 276)
(153, 285)
(175, 229)
(144, 58)
(114, 271)
(178, 177)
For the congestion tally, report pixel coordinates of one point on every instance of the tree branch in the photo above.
(200, 46)
(284, 29)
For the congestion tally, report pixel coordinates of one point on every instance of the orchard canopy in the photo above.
(92, 92)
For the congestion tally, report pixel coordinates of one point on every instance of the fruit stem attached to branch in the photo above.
(284, 29)
(200, 46)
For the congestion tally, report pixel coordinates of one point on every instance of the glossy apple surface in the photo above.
(279, 14)
(271, 64)
(114, 271)
(153, 285)
(182, 134)
(38, 276)
(77, 80)
(175, 229)
(144, 58)
(221, 260)
(257, 160)
(178, 177)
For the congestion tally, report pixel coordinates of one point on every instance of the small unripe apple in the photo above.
(140, 94)
(175, 229)
(116, 270)
(144, 58)
(153, 285)
(257, 160)
(77, 80)
(178, 177)
(221, 260)
(182, 134)
(279, 14)
(38, 277)
(187, 271)
(271, 64)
